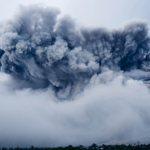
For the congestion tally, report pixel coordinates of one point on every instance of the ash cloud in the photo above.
(44, 50)
(101, 75)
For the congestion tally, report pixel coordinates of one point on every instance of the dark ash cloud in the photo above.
(46, 51)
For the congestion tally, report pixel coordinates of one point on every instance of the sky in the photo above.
(62, 84)
(95, 13)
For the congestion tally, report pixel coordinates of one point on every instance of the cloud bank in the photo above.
(61, 84)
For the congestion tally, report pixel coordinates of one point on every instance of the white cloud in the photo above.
(115, 112)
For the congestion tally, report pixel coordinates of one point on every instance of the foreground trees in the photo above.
(92, 147)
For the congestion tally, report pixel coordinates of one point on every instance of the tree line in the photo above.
(92, 147)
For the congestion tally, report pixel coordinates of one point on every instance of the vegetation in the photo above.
(92, 147)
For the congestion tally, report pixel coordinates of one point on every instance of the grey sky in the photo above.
(110, 13)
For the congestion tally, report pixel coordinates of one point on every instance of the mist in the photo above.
(116, 112)
(62, 84)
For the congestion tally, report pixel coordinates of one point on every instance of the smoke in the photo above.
(62, 84)
(46, 50)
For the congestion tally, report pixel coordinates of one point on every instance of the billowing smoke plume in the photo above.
(44, 50)
(103, 76)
